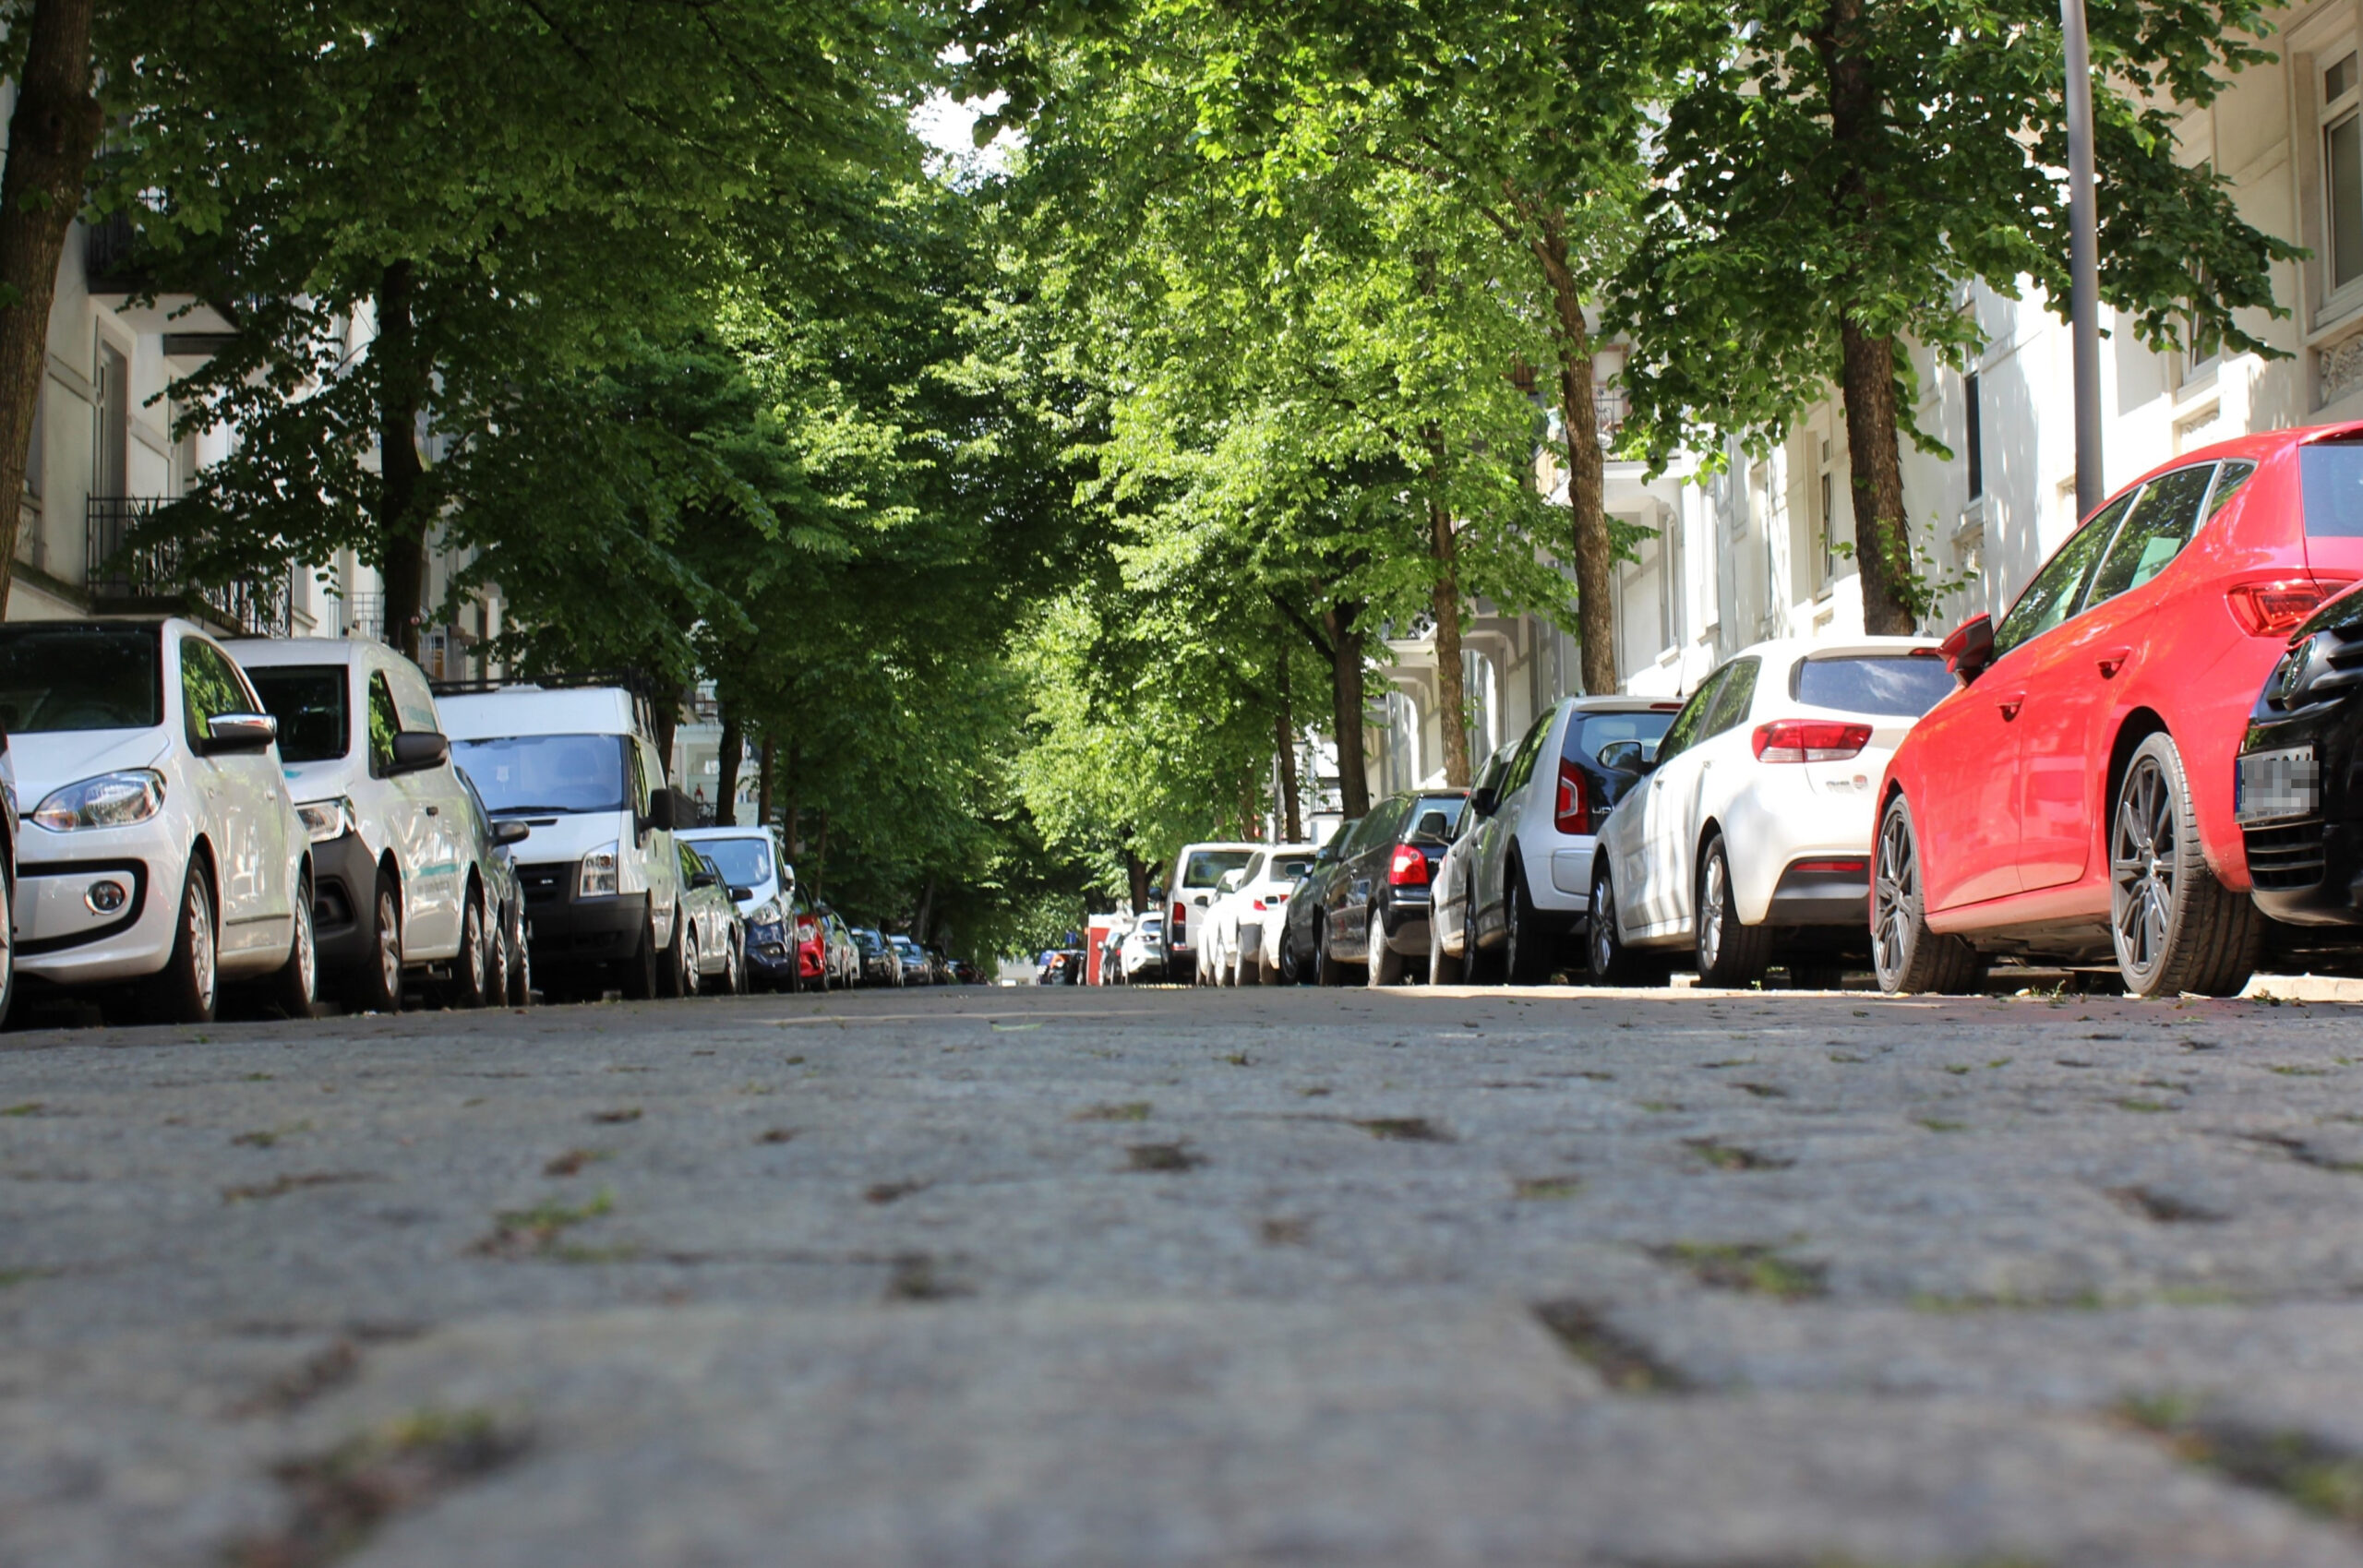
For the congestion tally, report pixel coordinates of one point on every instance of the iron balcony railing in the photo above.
(150, 577)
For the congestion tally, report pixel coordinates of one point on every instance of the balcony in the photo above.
(359, 614)
(149, 579)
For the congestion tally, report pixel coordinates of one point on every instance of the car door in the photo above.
(1971, 794)
(1491, 859)
(438, 900)
(244, 822)
(1644, 904)
(699, 934)
(1674, 873)
(2062, 749)
(407, 829)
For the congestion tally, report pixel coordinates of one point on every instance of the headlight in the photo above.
(765, 914)
(325, 819)
(111, 800)
(598, 877)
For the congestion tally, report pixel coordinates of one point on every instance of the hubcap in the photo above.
(389, 945)
(307, 957)
(200, 944)
(1603, 927)
(1710, 913)
(477, 960)
(1891, 893)
(2141, 865)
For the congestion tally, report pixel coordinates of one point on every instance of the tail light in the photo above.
(1809, 740)
(1178, 931)
(2274, 609)
(1409, 868)
(1568, 813)
(1258, 905)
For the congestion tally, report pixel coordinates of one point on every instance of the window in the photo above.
(744, 862)
(58, 677)
(2333, 471)
(1522, 766)
(2059, 586)
(1205, 867)
(209, 687)
(1829, 515)
(1688, 725)
(111, 474)
(2342, 173)
(2153, 533)
(1733, 701)
(532, 773)
(1901, 685)
(1973, 439)
(308, 702)
(1588, 738)
(384, 724)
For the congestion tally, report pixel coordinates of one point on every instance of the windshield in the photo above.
(80, 678)
(1904, 685)
(546, 773)
(1597, 732)
(308, 702)
(745, 862)
(1205, 867)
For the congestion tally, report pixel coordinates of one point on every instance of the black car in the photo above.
(2295, 793)
(1364, 905)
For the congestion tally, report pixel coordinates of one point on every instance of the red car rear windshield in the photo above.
(2334, 475)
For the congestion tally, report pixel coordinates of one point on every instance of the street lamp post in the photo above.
(2083, 259)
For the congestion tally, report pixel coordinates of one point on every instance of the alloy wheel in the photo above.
(1602, 926)
(1894, 885)
(200, 948)
(2144, 867)
(390, 942)
(1709, 915)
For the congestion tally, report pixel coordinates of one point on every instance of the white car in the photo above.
(1189, 894)
(402, 869)
(603, 884)
(1750, 844)
(1448, 908)
(762, 884)
(1527, 885)
(1145, 951)
(163, 848)
(1257, 904)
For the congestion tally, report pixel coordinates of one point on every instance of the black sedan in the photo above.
(1362, 912)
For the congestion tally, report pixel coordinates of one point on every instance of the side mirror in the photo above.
(1623, 756)
(1970, 648)
(1484, 800)
(232, 733)
(1432, 827)
(1230, 881)
(704, 880)
(417, 751)
(509, 830)
(662, 812)
(740, 895)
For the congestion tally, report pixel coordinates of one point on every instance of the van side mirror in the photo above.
(1970, 648)
(228, 733)
(660, 812)
(417, 751)
(509, 830)
(1484, 800)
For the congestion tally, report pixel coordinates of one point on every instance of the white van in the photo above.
(603, 883)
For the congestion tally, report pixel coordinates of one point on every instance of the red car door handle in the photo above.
(2010, 705)
(2113, 660)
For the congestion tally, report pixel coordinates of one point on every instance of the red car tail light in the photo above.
(1409, 868)
(1179, 928)
(1568, 812)
(2274, 609)
(1809, 740)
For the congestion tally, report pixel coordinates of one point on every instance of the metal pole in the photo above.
(2083, 260)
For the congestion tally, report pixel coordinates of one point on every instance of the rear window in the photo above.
(2334, 476)
(308, 702)
(1205, 867)
(1595, 733)
(1903, 684)
(1289, 868)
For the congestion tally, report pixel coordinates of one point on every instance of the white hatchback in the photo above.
(1750, 844)
(1243, 945)
(162, 849)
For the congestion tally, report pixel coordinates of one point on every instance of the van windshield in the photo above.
(79, 677)
(526, 773)
(308, 702)
(745, 862)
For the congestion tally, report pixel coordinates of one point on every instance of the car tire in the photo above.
(295, 986)
(1608, 959)
(521, 965)
(188, 987)
(8, 941)
(1444, 968)
(1326, 970)
(1905, 954)
(1383, 965)
(685, 950)
(2176, 927)
(639, 972)
(735, 976)
(1476, 965)
(470, 984)
(376, 987)
(496, 974)
(1732, 956)
(1527, 952)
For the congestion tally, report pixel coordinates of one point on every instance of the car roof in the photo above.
(1610, 705)
(522, 711)
(262, 650)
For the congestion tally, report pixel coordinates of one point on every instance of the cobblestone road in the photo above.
(1072, 1277)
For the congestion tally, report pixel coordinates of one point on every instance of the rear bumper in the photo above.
(1803, 897)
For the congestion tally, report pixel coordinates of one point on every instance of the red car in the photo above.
(2072, 800)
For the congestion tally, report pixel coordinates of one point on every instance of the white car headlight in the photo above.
(765, 914)
(598, 876)
(325, 819)
(111, 800)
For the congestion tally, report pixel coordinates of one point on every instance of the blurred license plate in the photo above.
(2274, 785)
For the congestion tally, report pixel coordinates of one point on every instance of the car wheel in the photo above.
(1384, 965)
(1731, 956)
(376, 987)
(735, 980)
(189, 986)
(1609, 960)
(640, 972)
(1444, 968)
(471, 967)
(296, 984)
(497, 963)
(2176, 928)
(521, 965)
(1326, 970)
(8, 941)
(685, 944)
(1905, 954)
(677, 960)
(1474, 964)
(1525, 949)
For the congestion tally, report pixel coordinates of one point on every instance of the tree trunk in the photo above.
(1874, 468)
(1136, 880)
(763, 770)
(725, 787)
(402, 534)
(820, 850)
(1452, 701)
(1346, 689)
(52, 134)
(1284, 747)
(1595, 556)
(792, 815)
(1874, 460)
(665, 716)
